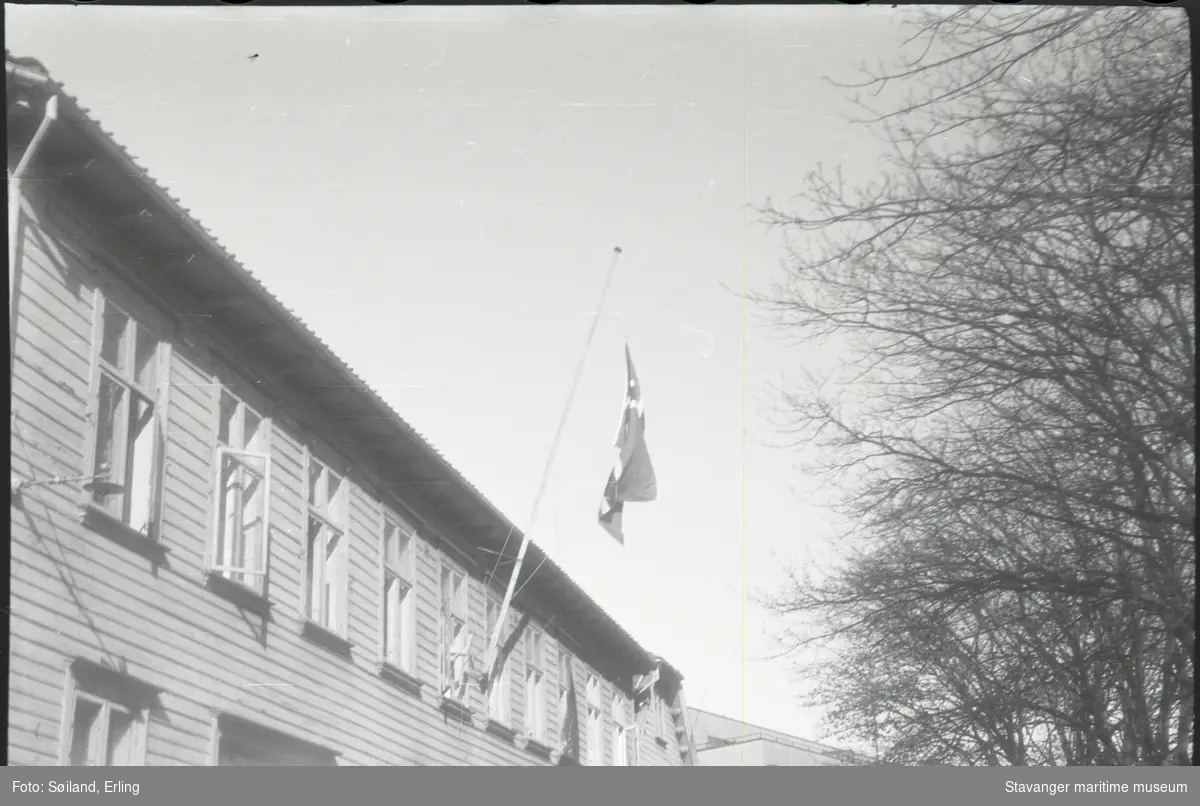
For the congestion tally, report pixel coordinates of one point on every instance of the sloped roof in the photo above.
(714, 730)
(214, 272)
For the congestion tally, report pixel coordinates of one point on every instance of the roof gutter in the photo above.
(49, 116)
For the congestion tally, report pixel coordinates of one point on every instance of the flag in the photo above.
(632, 479)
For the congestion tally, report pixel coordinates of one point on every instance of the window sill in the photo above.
(240, 595)
(430, 695)
(326, 637)
(453, 709)
(537, 747)
(121, 533)
(400, 678)
(116, 678)
(498, 728)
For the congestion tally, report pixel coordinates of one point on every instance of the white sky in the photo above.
(437, 194)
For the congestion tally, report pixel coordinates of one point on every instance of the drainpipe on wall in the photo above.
(14, 218)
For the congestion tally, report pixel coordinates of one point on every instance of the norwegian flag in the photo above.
(632, 478)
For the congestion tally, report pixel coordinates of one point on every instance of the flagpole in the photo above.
(490, 657)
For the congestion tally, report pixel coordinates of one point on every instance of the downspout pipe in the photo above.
(49, 116)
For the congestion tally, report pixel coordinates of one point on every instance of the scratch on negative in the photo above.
(611, 105)
(440, 60)
(712, 343)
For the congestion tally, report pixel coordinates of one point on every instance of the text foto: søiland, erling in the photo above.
(78, 787)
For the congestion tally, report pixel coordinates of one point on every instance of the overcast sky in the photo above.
(437, 193)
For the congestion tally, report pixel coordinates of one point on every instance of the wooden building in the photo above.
(226, 549)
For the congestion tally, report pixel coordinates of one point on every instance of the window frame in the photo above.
(219, 543)
(566, 685)
(123, 699)
(500, 693)
(653, 710)
(620, 732)
(535, 693)
(454, 685)
(226, 724)
(140, 317)
(314, 573)
(401, 653)
(595, 721)
(659, 711)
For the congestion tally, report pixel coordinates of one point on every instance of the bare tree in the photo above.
(1016, 431)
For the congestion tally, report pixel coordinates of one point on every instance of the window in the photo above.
(568, 712)
(325, 571)
(535, 684)
(399, 600)
(104, 734)
(244, 744)
(105, 722)
(658, 712)
(595, 723)
(647, 698)
(500, 693)
(456, 635)
(128, 442)
(242, 525)
(620, 733)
